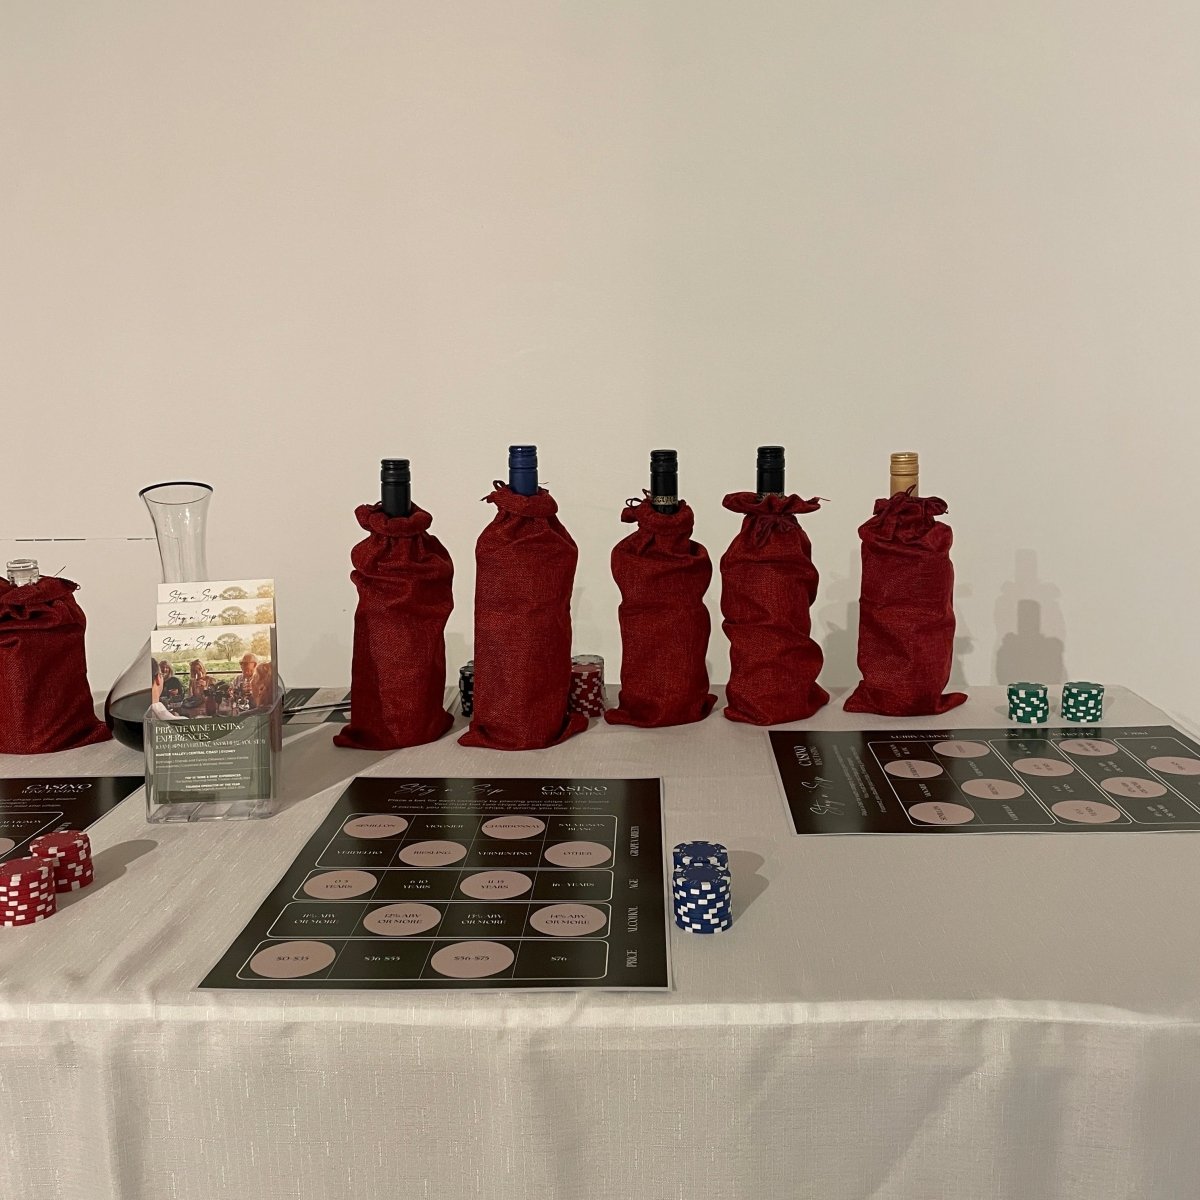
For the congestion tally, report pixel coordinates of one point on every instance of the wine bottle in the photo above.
(523, 470)
(664, 481)
(904, 473)
(394, 487)
(770, 471)
(22, 571)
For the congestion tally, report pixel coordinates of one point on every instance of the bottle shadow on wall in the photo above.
(837, 595)
(457, 656)
(964, 643)
(1030, 630)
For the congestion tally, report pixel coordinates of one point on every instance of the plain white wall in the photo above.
(266, 243)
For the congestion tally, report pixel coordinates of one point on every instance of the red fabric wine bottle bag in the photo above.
(45, 702)
(663, 576)
(524, 573)
(768, 585)
(906, 615)
(398, 678)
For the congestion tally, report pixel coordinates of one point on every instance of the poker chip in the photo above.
(26, 891)
(1028, 703)
(466, 688)
(27, 913)
(69, 846)
(705, 928)
(1030, 716)
(71, 885)
(700, 880)
(701, 887)
(688, 854)
(1082, 702)
(18, 872)
(21, 889)
(714, 916)
(586, 694)
(17, 922)
(69, 855)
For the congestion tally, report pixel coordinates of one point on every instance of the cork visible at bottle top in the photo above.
(904, 473)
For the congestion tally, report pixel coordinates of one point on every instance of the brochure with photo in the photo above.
(217, 612)
(210, 590)
(214, 726)
(212, 671)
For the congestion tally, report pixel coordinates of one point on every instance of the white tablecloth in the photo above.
(967, 1017)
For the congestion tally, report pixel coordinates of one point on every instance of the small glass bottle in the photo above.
(23, 571)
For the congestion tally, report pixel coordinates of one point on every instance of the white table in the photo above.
(965, 1017)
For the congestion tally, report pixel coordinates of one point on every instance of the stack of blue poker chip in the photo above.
(691, 854)
(702, 895)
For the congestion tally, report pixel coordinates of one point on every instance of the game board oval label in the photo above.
(993, 789)
(375, 825)
(577, 854)
(1169, 765)
(1087, 747)
(472, 960)
(433, 854)
(1085, 812)
(1134, 788)
(1045, 768)
(913, 768)
(495, 885)
(953, 749)
(511, 828)
(934, 812)
(567, 920)
(292, 960)
(6, 844)
(339, 885)
(401, 920)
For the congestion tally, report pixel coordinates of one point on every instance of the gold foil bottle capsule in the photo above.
(904, 473)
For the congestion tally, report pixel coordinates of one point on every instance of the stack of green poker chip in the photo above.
(1028, 703)
(1083, 703)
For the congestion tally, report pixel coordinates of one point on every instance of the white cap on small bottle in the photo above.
(22, 571)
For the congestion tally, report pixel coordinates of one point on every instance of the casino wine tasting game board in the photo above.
(468, 883)
(30, 808)
(990, 780)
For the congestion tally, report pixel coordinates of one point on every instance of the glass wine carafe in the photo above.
(179, 512)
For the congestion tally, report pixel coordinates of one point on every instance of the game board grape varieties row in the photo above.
(1024, 780)
(468, 883)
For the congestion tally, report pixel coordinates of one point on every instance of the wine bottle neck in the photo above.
(664, 481)
(905, 474)
(523, 470)
(770, 471)
(395, 487)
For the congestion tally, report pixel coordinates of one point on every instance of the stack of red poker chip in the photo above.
(69, 854)
(587, 685)
(26, 892)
